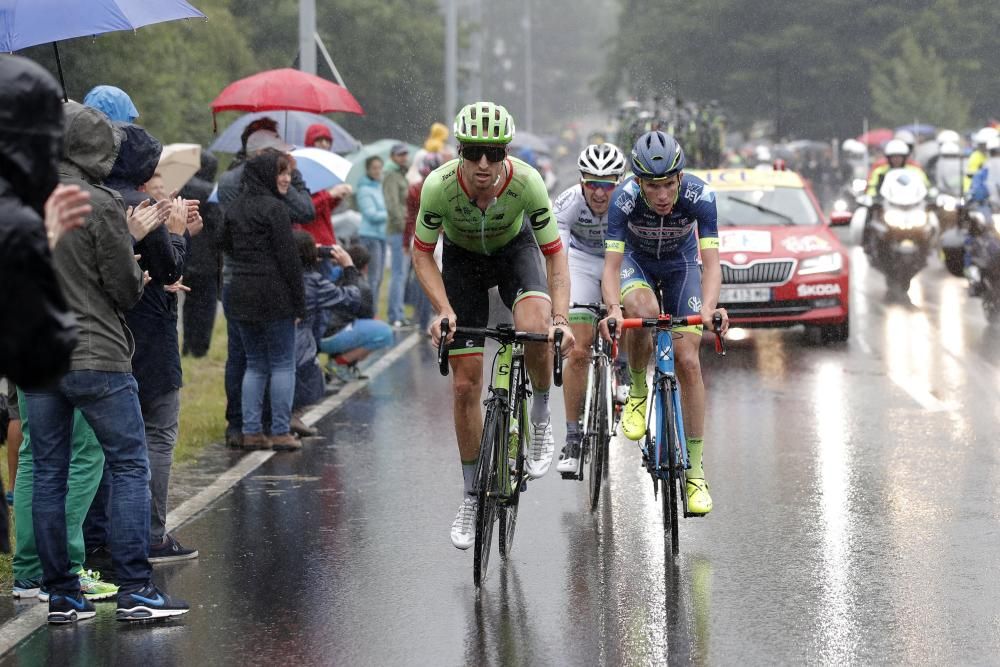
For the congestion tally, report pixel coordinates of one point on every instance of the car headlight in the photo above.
(829, 263)
(840, 205)
(905, 219)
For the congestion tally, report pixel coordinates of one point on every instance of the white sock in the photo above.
(469, 476)
(539, 406)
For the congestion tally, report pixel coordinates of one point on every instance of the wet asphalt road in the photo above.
(857, 520)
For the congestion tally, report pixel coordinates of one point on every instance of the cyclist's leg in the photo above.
(523, 287)
(585, 287)
(638, 300)
(682, 294)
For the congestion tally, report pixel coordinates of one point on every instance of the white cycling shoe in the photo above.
(463, 528)
(540, 449)
(569, 459)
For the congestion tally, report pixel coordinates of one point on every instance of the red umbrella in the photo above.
(285, 90)
(876, 137)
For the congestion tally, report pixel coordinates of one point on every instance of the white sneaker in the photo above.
(569, 459)
(463, 528)
(540, 449)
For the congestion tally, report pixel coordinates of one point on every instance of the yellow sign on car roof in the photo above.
(748, 179)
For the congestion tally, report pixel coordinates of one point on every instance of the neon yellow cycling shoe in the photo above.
(699, 501)
(634, 417)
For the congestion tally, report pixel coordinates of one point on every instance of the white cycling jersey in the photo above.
(583, 233)
(580, 228)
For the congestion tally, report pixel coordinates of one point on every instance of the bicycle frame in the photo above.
(666, 387)
(509, 363)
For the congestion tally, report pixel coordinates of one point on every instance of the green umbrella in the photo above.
(380, 148)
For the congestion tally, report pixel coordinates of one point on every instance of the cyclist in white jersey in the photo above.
(582, 215)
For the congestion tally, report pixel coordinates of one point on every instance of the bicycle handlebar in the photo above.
(502, 335)
(671, 321)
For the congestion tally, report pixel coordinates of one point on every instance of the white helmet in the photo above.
(948, 136)
(601, 160)
(950, 148)
(993, 143)
(906, 137)
(984, 135)
(896, 147)
(853, 146)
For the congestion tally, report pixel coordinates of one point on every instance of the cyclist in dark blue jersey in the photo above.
(659, 222)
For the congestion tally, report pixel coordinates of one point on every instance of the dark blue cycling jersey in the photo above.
(633, 224)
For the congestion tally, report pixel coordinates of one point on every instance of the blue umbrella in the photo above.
(292, 127)
(25, 23)
(918, 129)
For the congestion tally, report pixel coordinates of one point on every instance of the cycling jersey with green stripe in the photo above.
(445, 203)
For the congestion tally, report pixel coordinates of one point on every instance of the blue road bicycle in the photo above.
(664, 451)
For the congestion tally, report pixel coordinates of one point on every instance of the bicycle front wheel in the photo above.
(487, 491)
(517, 443)
(598, 434)
(669, 482)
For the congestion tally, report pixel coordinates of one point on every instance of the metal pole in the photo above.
(62, 79)
(529, 102)
(329, 60)
(450, 59)
(307, 30)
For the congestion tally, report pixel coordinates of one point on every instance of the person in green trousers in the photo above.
(86, 466)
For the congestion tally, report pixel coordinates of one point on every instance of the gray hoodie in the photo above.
(95, 265)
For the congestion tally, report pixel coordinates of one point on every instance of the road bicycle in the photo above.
(501, 475)
(664, 451)
(600, 410)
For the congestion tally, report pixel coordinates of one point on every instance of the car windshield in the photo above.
(777, 206)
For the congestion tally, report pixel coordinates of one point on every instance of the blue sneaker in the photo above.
(70, 609)
(27, 588)
(148, 603)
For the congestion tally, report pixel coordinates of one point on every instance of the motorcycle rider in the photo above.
(897, 154)
(985, 186)
(978, 156)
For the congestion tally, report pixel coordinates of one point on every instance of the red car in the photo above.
(781, 263)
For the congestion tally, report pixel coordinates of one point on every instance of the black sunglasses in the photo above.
(476, 152)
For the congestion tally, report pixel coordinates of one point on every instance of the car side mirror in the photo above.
(840, 218)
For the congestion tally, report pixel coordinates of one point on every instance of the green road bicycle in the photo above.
(501, 476)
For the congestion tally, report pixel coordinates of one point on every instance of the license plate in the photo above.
(744, 294)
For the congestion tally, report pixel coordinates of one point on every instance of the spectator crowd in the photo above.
(102, 268)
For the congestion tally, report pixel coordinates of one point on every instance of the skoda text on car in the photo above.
(781, 263)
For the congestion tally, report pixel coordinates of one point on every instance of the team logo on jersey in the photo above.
(627, 273)
(694, 303)
(432, 220)
(563, 201)
(625, 203)
(539, 218)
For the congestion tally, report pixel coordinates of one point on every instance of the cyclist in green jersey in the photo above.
(498, 226)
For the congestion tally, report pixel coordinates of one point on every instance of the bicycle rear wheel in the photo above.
(517, 443)
(487, 491)
(598, 435)
(669, 482)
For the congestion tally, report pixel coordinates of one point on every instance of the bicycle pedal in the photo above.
(569, 475)
(691, 515)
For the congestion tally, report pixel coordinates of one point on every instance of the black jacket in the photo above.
(204, 253)
(37, 331)
(156, 363)
(257, 236)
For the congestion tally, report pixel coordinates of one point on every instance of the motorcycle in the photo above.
(901, 229)
(983, 260)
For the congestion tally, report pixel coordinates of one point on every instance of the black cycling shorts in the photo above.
(517, 270)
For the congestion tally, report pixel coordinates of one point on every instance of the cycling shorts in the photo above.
(585, 272)
(680, 283)
(516, 270)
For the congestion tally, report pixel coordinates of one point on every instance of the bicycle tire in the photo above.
(669, 483)
(486, 492)
(508, 506)
(597, 435)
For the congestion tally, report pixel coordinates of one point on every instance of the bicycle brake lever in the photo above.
(557, 367)
(443, 347)
(720, 342)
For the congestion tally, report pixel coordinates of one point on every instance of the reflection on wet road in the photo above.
(856, 520)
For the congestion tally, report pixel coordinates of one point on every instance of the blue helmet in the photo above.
(657, 155)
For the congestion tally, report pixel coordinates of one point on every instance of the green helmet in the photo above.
(484, 123)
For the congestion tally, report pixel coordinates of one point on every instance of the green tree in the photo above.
(913, 85)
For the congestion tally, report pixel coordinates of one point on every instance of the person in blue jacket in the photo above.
(371, 204)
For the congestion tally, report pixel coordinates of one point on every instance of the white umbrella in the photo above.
(320, 168)
(178, 163)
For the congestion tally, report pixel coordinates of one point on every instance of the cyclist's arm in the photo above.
(614, 253)
(430, 218)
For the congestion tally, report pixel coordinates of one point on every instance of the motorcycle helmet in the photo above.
(993, 144)
(907, 137)
(948, 136)
(853, 146)
(984, 135)
(950, 149)
(601, 160)
(657, 155)
(896, 147)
